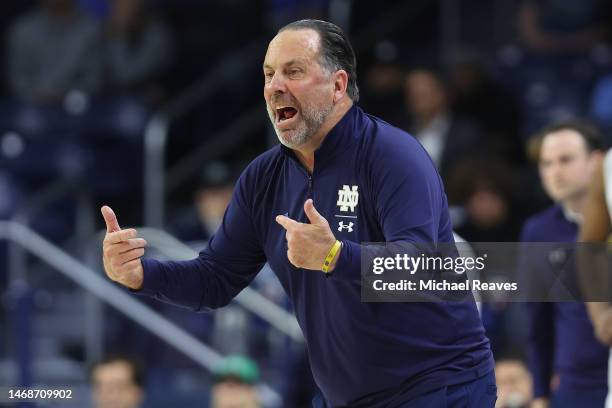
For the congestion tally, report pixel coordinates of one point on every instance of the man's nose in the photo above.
(277, 83)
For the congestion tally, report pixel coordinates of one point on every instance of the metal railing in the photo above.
(156, 132)
(217, 145)
(107, 292)
(41, 200)
(249, 298)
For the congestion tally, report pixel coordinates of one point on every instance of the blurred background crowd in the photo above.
(155, 106)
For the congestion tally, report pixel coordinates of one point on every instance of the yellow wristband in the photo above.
(331, 255)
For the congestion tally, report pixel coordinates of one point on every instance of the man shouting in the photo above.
(339, 177)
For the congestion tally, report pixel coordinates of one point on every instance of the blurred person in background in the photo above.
(447, 138)
(235, 378)
(553, 26)
(478, 97)
(561, 338)
(210, 200)
(53, 50)
(117, 383)
(383, 91)
(514, 384)
(483, 196)
(485, 192)
(138, 49)
(564, 49)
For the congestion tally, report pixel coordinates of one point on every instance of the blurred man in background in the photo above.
(514, 384)
(447, 138)
(117, 383)
(54, 50)
(486, 192)
(210, 200)
(138, 49)
(561, 339)
(235, 379)
(550, 27)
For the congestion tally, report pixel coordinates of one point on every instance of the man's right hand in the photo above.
(121, 252)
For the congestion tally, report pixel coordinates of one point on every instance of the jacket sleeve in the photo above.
(230, 261)
(409, 204)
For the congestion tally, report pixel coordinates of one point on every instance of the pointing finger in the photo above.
(110, 219)
(286, 222)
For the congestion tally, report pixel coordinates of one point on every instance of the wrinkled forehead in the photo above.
(292, 46)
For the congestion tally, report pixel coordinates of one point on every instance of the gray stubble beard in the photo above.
(312, 120)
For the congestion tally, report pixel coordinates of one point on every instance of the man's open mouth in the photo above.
(285, 113)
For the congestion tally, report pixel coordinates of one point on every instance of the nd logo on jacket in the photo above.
(348, 198)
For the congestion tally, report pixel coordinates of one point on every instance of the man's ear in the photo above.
(340, 84)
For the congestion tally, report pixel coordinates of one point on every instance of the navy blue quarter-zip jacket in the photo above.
(561, 337)
(373, 183)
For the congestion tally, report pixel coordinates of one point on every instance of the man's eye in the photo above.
(294, 72)
(268, 76)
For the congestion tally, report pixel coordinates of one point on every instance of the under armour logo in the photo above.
(348, 197)
(348, 227)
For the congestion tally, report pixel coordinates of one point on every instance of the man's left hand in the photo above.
(308, 244)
